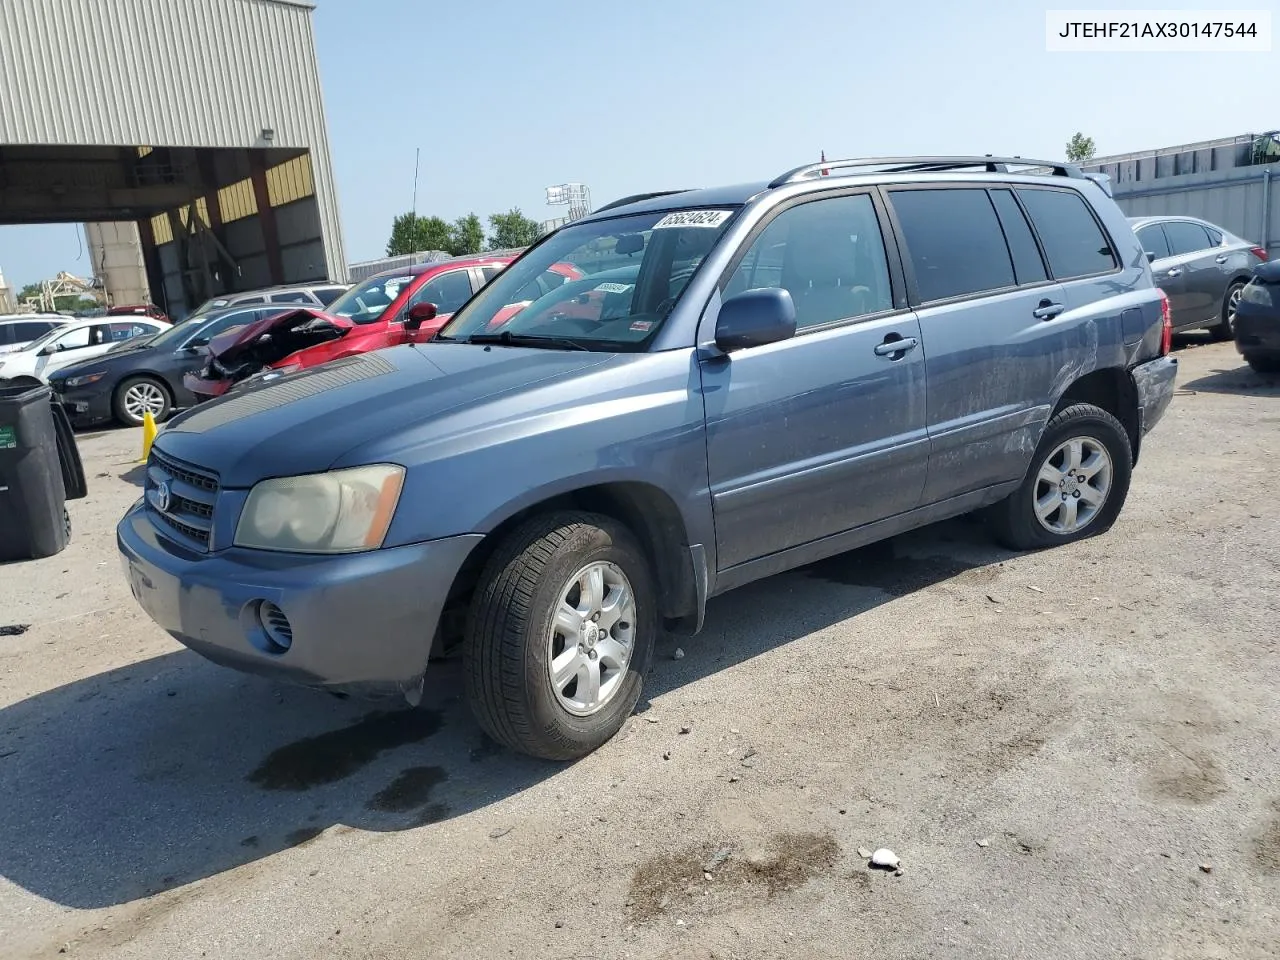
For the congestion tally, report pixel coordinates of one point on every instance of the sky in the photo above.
(507, 97)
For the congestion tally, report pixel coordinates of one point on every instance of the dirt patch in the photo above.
(673, 882)
(1190, 778)
(337, 754)
(1266, 845)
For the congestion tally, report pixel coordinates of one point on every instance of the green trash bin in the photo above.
(34, 470)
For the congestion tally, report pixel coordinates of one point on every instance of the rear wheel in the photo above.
(560, 635)
(138, 396)
(1226, 329)
(1075, 486)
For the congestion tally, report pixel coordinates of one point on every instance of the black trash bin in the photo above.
(39, 468)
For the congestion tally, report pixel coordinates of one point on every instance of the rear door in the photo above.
(825, 431)
(993, 342)
(1204, 284)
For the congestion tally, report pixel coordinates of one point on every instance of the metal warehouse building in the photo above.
(200, 121)
(1233, 182)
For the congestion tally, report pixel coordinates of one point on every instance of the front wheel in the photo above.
(560, 635)
(1263, 363)
(139, 396)
(1227, 328)
(1077, 482)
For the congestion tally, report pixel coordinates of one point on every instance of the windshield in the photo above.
(35, 345)
(634, 269)
(368, 301)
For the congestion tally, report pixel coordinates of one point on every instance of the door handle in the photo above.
(1175, 272)
(902, 345)
(1048, 310)
(1220, 258)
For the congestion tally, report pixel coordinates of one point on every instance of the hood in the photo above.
(228, 345)
(305, 422)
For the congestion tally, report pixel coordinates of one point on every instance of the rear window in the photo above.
(1185, 237)
(1073, 241)
(955, 242)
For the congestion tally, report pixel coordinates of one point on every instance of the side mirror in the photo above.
(195, 345)
(754, 318)
(419, 314)
(50, 350)
(1151, 257)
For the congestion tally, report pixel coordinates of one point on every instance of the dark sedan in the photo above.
(1257, 327)
(145, 376)
(1201, 267)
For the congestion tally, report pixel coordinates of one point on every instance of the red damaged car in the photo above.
(404, 305)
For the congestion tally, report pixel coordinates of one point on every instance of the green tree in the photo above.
(512, 229)
(411, 233)
(1080, 149)
(30, 290)
(468, 235)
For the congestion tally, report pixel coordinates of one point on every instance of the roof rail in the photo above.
(636, 198)
(989, 163)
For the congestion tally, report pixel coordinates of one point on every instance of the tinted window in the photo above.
(327, 295)
(1027, 264)
(1153, 241)
(955, 242)
(448, 291)
(1186, 237)
(488, 273)
(7, 333)
(1072, 239)
(31, 330)
(249, 300)
(828, 254)
(296, 296)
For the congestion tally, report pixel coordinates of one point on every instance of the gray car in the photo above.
(1201, 267)
(760, 376)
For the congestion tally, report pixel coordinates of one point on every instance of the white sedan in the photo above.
(76, 341)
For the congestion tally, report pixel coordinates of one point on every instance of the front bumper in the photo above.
(361, 623)
(85, 405)
(1257, 330)
(1154, 382)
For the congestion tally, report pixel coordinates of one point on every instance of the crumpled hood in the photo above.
(226, 346)
(305, 422)
(1268, 272)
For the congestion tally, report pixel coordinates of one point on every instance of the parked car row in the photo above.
(74, 341)
(18, 330)
(665, 400)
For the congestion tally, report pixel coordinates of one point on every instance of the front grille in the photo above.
(190, 492)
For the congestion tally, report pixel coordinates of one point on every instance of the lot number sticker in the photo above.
(8, 438)
(614, 287)
(693, 218)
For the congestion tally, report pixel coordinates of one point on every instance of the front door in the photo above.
(826, 431)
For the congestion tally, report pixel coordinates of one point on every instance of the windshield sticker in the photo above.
(641, 326)
(614, 287)
(693, 218)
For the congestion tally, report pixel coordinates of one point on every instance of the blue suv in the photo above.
(748, 379)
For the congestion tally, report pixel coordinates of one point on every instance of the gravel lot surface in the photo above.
(1074, 754)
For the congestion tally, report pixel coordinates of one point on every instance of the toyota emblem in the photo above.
(163, 496)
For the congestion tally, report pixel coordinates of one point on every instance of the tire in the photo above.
(512, 636)
(1226, 329)
(1263, 363)
(138, 389)
(1015, 520)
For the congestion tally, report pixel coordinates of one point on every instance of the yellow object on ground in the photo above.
(148, 435)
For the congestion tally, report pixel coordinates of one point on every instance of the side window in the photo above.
(1073, 241)
(26, 332)
(487, 273)
(448, 291)
(1027, 264)
(828, 254)
(326, 295)
(1152, 239)
(73, 339)
(1186, 237)
(954, 241)
(7, 333)
(294, 296)
(251, 300)
(1215, 237)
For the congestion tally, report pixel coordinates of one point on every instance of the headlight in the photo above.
(342, 511)
(1258, 293)
(85, 380)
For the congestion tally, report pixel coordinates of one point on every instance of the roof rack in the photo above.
(636, 198)
(988, 163)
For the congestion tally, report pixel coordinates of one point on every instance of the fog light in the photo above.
(276, 626)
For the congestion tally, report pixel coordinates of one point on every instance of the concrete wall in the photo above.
(115, 250)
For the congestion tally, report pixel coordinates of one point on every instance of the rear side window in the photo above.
(1022, 243)
(250, 300)
(1186, 237)
(294, 296)
(954, 241)
(31, 330)
(1153, 241)
(326, 295)
(7, 331)
(1072, 239)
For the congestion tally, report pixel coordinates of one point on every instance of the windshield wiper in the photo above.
(508, 339)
